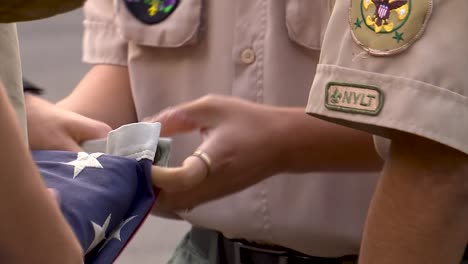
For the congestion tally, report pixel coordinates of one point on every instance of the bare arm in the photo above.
(102, 99)
(248, 142)
(33, 229)
(311, 144)
(103, 94)
(419, 213)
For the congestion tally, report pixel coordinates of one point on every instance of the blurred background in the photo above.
(51, 58)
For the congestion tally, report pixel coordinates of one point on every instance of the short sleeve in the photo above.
(102, 41)
(398, 65)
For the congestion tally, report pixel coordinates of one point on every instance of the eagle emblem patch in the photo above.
(151, 11)
(386, 27)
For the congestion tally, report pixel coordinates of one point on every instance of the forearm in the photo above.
(31, 219)
(419, 213)
(310, 144)
(104, 94)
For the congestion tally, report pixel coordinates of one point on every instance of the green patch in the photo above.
(354, 98)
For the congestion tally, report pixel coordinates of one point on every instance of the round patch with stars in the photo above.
(151, 11)
(386, 27)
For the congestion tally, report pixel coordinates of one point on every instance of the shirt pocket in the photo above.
(178, 29)
(306, 21)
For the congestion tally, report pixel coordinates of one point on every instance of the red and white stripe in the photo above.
(383, 10)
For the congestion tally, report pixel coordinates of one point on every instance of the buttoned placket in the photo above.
(248, 55)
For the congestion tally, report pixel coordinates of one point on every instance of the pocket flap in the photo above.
(306, 21)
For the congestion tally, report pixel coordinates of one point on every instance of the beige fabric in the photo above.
(10, 70)
(206, 47)
(425, 87)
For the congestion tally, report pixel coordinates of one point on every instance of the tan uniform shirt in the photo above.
(264, 51)
(407, 72)
(10, 70)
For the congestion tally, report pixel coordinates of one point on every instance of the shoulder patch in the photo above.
(354, 98)
(387, 27)
(151, 11)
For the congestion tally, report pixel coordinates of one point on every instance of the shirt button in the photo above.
(248, 56)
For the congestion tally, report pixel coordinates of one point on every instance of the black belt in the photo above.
(242, 252)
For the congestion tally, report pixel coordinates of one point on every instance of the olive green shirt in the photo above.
(18, 10)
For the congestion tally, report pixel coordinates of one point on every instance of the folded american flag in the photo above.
(105, 198)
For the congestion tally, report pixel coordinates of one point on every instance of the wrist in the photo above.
(286, 136)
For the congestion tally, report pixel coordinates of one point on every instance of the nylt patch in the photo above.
(354, 98)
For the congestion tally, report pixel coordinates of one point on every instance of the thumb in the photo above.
(183, 178)
(83, 128)
(200, 114)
